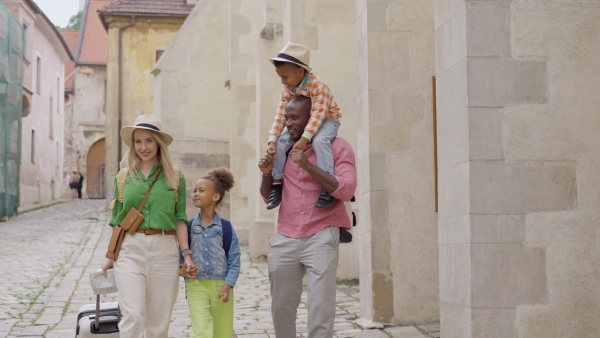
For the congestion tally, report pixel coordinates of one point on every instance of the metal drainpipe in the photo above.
(120, 87)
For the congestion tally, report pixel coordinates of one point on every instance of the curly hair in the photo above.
(223, 180)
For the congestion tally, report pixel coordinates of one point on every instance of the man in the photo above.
(307, 238)
(80, 184)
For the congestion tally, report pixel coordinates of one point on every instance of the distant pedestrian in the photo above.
(210, 290)
(74, 185)
(80, 184)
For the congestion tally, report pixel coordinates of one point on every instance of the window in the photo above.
(32, 145)
(38, 76)
(51, 118)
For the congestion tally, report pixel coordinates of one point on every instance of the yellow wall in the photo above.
(140, 43)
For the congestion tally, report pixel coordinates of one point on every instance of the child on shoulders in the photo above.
(291, 64)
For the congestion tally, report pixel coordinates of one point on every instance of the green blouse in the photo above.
(160, 211)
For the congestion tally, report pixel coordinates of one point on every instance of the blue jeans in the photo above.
(321, 143)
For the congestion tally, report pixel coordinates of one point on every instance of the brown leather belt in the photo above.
(155, 232)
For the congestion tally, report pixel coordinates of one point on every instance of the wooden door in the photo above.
(95, 170)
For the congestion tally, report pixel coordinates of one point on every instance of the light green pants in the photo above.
(211, 318)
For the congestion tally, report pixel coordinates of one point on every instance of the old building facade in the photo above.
(85, 87)
(138, 33)
(42, 141)
(474, 124)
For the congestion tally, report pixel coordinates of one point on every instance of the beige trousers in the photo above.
(288, 261)
(147, 277)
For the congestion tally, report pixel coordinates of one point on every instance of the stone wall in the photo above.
(397, 224)
(192, 95)
(517, 166)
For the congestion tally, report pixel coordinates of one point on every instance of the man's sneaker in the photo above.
(274, 197)
(325, 200)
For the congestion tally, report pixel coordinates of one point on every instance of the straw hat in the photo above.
(148, 122)
(294, 53)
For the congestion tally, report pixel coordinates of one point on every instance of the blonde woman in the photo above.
(146, 270)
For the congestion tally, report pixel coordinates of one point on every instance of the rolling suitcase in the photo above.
(98, 320)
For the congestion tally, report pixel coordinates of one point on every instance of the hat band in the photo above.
(147, 125)
(291, 58)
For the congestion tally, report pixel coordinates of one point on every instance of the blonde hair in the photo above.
(131, 161)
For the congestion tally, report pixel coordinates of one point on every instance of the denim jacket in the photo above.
(209, 255)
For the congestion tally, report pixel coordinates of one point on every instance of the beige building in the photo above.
(85, 85)
(42, 140)
(138, 33)
(475, 128)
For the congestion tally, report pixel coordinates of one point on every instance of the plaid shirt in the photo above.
(323, 107)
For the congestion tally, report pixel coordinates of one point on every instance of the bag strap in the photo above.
(150, 188)
(227, 235)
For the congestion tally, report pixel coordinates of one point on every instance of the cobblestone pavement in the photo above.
(47, 254)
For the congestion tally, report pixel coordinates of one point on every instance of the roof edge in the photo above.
(39, 11)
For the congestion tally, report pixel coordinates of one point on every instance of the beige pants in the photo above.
(147, 277)
(289, 260)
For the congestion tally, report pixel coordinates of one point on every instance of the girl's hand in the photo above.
(224, 293)
(183, 272)
(189, 265)
(107, 265)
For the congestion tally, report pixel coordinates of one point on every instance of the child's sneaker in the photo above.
(325, 200)
(274, 197)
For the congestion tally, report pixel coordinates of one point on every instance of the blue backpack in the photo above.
(227, 233)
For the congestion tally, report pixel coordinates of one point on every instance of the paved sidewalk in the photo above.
(50, 252)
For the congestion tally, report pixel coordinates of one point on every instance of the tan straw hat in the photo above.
(294, 53)
(148, 122)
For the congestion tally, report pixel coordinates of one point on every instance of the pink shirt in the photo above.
(298, 216)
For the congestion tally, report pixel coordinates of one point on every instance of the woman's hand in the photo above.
(224, 293)
(109, 264)
(190, 268)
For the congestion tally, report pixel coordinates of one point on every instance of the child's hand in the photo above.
(191, 274)
(301, 143)
(224, 293)
(271, 150)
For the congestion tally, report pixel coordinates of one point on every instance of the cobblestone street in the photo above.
(47, 254)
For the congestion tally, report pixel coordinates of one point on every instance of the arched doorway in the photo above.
(96, 158)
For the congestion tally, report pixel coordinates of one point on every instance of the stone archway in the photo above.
(96, 159)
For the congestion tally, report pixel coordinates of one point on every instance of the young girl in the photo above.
(209, 286)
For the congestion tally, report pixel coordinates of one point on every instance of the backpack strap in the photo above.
(189, 227)
(121, 178)
(227, 234)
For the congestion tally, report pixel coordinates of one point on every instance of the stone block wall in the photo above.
(398, 222)
(512, 163)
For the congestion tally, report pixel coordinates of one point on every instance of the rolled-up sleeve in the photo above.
(345, 170)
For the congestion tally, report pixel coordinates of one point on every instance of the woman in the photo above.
(146, 271)
(74, 185)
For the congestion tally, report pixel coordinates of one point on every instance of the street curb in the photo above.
(34, 207)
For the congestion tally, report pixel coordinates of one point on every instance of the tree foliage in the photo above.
(74, 21)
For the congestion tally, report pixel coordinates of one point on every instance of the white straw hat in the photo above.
(294, 53)
(148, 122)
